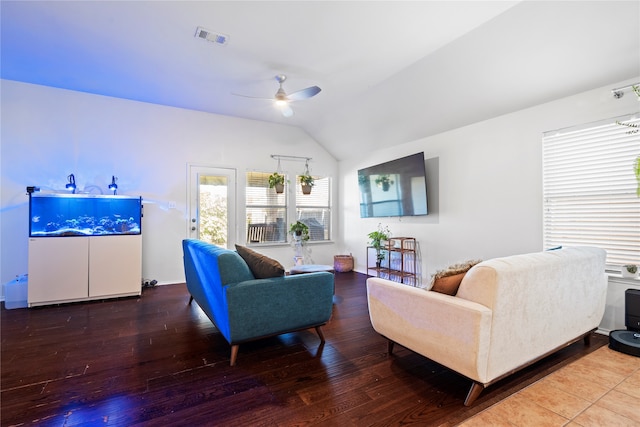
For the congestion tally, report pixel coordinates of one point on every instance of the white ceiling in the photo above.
(390, 71)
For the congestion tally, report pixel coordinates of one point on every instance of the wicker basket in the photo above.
(343, 263)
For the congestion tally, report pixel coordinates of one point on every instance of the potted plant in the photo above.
(306, 182)
(629, 270)
(377, 237)
(276, 180)
(384, 181)
(300, 229)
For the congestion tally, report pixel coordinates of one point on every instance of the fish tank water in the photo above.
(57, 215)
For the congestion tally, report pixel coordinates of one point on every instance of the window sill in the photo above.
(618, 277)
(287, 244)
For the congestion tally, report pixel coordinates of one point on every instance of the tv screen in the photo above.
(394, 188)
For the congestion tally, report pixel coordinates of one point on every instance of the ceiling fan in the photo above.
(282, 100)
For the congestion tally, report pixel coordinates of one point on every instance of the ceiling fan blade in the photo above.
(286, 110)
(304, 93)
(252, 97)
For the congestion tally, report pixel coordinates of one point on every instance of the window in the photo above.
(266, 210)
(589, 189)
(314, 209)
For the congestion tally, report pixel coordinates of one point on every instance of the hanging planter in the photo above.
(384, 182)
(276, 181)
(306, 183)
(306, 180)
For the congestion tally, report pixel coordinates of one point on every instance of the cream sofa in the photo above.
(508, 313)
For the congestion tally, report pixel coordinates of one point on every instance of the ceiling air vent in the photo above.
(212, 36)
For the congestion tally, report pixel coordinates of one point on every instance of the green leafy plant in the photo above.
(307, 180)
(300, 229)
(276, 179)
(383, 180)
(377, 237)
(631, 268)
(213, 218)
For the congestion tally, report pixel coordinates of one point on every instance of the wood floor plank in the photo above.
(155, 360)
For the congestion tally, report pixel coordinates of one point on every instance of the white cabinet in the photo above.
(115, 265)
(58, 269)
(67, 269)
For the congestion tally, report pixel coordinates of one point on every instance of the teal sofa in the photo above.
(244, 308)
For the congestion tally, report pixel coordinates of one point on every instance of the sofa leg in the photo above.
(190, 299)
(390, 346)
(587, 339)
(474, 392)
(234, 354)
(320, 333)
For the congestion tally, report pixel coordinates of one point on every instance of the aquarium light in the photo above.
(113, 186)
(71, 185)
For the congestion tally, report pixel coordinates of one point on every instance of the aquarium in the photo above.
(56, 215)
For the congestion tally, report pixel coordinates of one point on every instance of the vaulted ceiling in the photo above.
(390, 71)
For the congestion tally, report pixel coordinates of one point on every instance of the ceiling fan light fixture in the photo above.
(286, 110)
(282, 101)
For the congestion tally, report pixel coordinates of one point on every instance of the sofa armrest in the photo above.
(451, 331)
(263, 307)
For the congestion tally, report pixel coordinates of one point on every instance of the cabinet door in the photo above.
(115, 265)
(58, 269)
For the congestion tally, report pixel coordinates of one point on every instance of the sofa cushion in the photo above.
(448, 281)
(260, 265)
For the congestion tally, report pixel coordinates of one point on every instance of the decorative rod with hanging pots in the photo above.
(306, 180)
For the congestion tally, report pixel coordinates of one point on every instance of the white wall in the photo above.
(484, 179)
(49, 133)
(485, 183)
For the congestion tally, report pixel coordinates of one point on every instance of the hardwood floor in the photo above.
(155, 360)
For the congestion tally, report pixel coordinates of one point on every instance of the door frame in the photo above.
(194, 170)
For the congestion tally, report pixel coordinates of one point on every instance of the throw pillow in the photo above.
(260, 265)
(448, 281)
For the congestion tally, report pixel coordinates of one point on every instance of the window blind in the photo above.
(266, 211)
(589, 189)
(314, 209)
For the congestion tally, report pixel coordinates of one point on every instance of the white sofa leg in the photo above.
(474, 392)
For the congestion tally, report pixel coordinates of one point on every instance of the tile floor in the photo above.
(600, 389)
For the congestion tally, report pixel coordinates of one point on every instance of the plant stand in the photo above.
(400, 263)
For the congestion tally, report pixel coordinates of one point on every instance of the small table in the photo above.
(310, 268)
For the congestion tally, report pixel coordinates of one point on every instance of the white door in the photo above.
(212, 202)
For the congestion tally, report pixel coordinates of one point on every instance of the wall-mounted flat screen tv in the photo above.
(394, 188)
